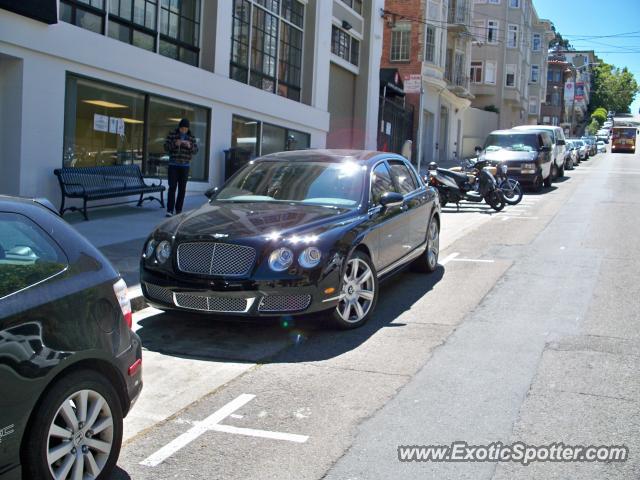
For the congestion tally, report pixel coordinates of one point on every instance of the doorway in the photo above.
(444, 135)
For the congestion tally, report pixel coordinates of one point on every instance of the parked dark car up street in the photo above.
(527, 154)
(296, 232)
(70, 366)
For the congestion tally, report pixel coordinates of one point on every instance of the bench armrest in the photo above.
(155, 184)
(65, 184)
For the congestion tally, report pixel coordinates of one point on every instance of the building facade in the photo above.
(434, 55)
(102, 82)
(508, 69)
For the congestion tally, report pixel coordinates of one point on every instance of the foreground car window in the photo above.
(517, 141)
(27, 254)
(319, 183)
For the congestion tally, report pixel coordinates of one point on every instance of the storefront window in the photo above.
(244, 137)
(103, 125)
(252, 138)
(164, 116)
(109, 125)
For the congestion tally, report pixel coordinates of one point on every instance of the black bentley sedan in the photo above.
(70, 366)
(295, 233)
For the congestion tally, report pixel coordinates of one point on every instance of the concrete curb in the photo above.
(137, 300)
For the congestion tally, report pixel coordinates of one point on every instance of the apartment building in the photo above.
(553, 111)
(101, 82)
(508, 67)
(431, 40)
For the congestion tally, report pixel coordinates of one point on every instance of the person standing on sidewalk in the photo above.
(181, 146)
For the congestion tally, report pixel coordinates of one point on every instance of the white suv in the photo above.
(558, 152)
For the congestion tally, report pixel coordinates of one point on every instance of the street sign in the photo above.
(412, 83)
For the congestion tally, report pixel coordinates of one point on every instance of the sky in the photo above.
(598, 25)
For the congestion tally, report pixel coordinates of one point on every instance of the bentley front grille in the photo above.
(209, 258)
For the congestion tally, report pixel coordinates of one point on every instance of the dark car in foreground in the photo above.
(296, 233)
(70, 366)
(527, 154)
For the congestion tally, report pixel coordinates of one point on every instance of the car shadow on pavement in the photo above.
(218, 338)
(545, 190)
(119, 474)
(465, 207)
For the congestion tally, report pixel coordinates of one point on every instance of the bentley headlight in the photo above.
(280, 259)
(310, 257)
(151, 246)
(163, 251)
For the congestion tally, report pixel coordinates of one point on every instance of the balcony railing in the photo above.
(457, 79)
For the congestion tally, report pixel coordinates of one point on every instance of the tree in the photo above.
(613, 88)
(559, 43)
(593, 127)
(599, 117)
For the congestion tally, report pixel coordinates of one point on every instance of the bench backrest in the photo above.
(93, 179)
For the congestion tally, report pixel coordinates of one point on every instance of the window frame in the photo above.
(352, 40)
(474, 69)
(245, 69)
(76, 5)
(181, 44)
(507, 73)
(515, 29)
(403, 31)
(132, 26)
(533, 42)
(493, 28)
(430, 47)
(535, 104)
(352, 5)
(534, 67)
(518, 4)
(494, 70)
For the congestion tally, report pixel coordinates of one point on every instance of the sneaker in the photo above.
(169, 214)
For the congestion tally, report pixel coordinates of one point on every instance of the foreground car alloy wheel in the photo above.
(77, 431)
(81, 436)
(359, 292)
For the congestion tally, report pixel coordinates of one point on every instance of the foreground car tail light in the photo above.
(133, 369)
(120, 289)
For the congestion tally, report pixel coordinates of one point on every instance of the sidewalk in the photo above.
(119, 232)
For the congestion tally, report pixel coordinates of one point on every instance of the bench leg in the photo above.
(62, 206)
(84, 210)
(140, 201)
(162, 199)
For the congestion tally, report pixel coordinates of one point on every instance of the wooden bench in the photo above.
(98, 183)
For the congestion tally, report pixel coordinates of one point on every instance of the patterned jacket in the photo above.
(180, 155)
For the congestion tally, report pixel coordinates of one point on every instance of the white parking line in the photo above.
(474, 260)
(448, 258)
(212, 422)
(290, 437)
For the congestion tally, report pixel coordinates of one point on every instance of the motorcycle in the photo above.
(455, 186)
(511, 188)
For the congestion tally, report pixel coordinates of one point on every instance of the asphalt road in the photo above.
(529, 331)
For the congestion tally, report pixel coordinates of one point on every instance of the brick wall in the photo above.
(414, 10)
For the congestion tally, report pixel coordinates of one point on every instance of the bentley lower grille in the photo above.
(161, 294)
(211, 304)
(210, 258)
(284, 303)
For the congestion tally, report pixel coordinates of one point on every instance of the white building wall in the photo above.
(48, 53)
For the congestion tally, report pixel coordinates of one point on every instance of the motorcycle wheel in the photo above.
(512, 191)
(495, 200)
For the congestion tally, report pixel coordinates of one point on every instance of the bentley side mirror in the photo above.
(210, 192)
(391, 199)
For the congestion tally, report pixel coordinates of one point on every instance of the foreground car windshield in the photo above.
(520, 142)
(319, 183)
